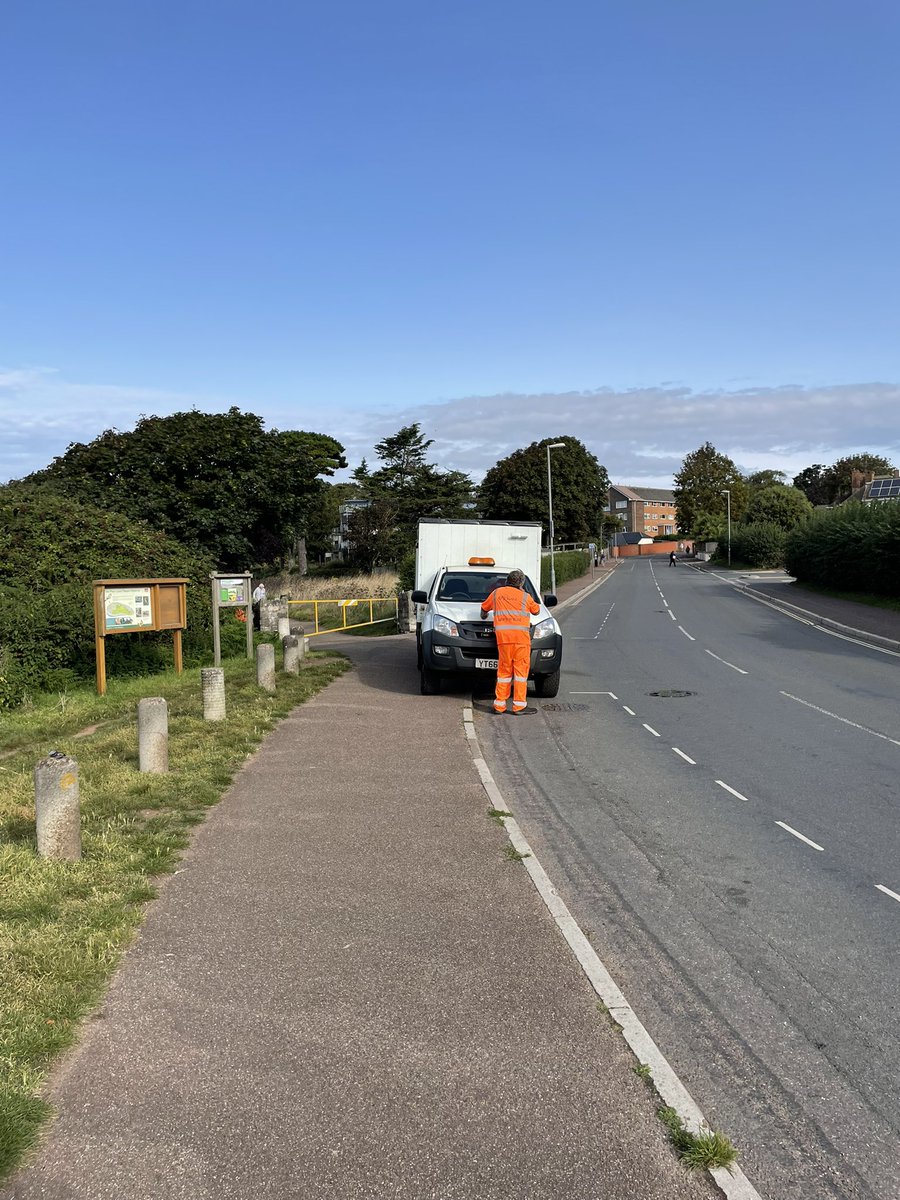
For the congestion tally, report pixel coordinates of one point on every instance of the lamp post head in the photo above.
(557, 446)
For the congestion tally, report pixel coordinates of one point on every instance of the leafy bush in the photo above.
(51, 549)
(760, 544)
(569, 564)
(853, 548)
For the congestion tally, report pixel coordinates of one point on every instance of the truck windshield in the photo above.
(476, 585)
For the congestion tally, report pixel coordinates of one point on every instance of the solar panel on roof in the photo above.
(884, 489)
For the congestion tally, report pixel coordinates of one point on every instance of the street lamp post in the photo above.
(726, 492)
(552, 446)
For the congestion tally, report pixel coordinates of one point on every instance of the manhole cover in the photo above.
(670, 693)
(566, 707)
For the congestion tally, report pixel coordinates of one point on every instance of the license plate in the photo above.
(487, 664)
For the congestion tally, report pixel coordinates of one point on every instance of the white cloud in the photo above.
(641, 435)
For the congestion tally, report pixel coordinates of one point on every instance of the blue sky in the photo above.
(646, 224)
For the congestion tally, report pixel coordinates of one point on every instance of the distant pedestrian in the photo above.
(259, 594)
(672, 559)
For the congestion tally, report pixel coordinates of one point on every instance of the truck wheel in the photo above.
(546, 685)
(419, 663)
(429, 682)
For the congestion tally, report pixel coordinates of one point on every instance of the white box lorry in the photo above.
(458, 564)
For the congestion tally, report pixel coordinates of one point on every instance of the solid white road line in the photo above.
(727, 664)
(887, 891)
(650, 729)
(815, 845)
(844, 720)
(630, 711)
(732, 1183)
(614, 696)
(682, 754)
(686, 634)
(724, 785)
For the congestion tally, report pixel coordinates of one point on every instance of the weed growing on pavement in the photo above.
(64, 925)
(642, 1070)
(698, 1151)
(513, 854)
(498, 815)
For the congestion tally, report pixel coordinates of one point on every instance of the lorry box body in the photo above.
(458, 564)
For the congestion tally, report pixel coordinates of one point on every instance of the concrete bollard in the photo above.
(291, 646)
(212, 680)
(153, 735)
(284, 628)
(57, 807)
(265, 666)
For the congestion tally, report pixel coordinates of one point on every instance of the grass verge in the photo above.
(64, 926)
(888, 602)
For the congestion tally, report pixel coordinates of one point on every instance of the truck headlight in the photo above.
(545, 628)
(446, 627)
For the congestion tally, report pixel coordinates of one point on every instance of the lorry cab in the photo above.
(452, 637)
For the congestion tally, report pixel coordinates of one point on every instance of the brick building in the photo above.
(648, 511)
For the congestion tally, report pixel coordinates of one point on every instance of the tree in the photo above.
(812, 483)
(515, 489)
(832, 485)
(402, 490)
(217, 482)
(778, 505)
(764, 479)
(838, 477)
(699, 485)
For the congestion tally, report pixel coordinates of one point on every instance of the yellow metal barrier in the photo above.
(334, 619)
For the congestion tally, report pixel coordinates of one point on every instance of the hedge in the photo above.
(852, 548)
(51, 549)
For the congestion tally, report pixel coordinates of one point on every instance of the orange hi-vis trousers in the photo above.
(514, 659)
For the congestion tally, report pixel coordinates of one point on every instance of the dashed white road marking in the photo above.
(887, 891)
(797, 834)
(686, 634)
(727, 663)
(650, 729)
(671, 614)
(844, 720)
(614, 696)
(630, 711)
(724, 785)
(682, 754)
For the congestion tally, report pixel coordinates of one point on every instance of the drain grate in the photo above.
(670, 693)
(566, 707)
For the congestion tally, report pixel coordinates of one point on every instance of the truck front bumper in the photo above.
(443, 653)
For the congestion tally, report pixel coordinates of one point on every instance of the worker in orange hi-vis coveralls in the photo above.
(511, 606)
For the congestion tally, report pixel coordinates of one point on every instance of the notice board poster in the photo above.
(232, 591)
(127, 608)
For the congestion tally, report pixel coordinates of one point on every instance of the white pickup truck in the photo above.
(458, 564)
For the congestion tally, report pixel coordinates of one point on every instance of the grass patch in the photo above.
(498, 815)
(698, 1151)
(64, 926)
(513, 854)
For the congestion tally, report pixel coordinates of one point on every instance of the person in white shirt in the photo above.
(259, 594)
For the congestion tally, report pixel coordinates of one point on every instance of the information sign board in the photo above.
(127, 608)
(233, 592)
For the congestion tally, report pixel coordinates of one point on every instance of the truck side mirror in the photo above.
(421, 598)
(549, 601)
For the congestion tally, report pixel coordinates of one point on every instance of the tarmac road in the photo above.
(734, 853)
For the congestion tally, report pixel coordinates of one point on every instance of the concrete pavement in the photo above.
(350, 990)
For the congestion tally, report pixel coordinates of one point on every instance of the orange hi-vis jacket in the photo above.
(511, 607)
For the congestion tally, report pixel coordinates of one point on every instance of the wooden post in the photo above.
(176, 639)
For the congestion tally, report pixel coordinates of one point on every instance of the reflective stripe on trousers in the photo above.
(514, 659)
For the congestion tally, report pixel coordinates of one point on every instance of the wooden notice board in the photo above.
(137, 606)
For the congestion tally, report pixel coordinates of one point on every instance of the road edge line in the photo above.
(733, 1184)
